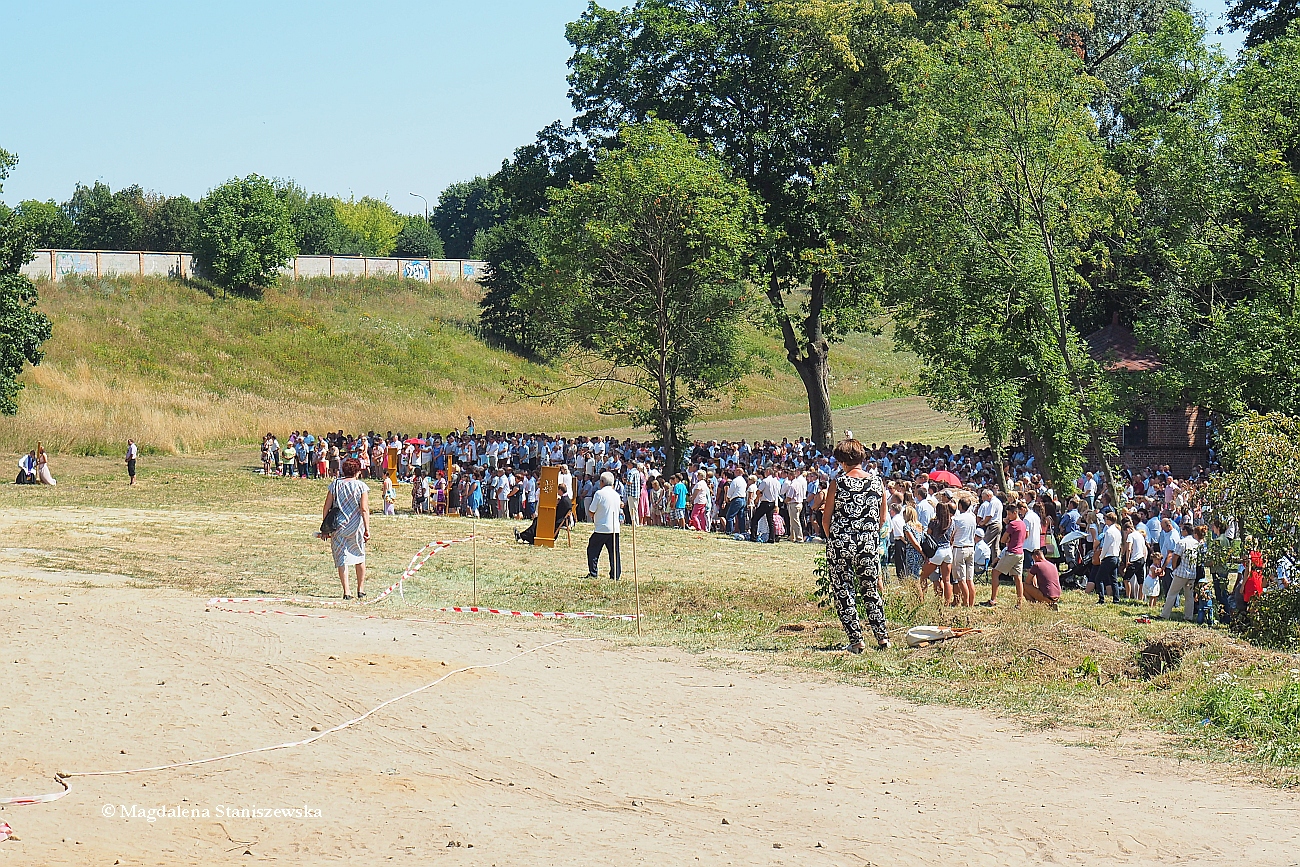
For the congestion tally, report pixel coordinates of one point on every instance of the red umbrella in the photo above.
(945, 477)
(414, 442)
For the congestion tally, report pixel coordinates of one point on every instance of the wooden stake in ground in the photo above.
(636, 581)
(473, 547)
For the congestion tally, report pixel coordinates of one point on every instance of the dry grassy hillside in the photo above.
(180, 370)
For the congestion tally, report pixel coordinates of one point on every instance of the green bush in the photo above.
(244, 235)
(1273, 619)
(418, 240)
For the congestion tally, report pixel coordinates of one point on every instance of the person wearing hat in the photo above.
(983, 554)
(607, 513)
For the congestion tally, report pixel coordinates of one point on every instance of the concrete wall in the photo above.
(57, 264)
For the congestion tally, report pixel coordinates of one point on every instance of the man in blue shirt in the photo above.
(1070, 520)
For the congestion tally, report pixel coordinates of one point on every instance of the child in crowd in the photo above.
(1151, 587)
(390, 498)
(1204, 600)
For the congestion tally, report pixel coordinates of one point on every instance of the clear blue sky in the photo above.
(346, 98)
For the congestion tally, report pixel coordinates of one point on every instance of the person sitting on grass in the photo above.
(27, 469)
(563, 506)
(1043, 583)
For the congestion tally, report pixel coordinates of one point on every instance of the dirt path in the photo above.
(583, 753)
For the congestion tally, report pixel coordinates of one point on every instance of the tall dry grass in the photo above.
(179, 371)
(77, 411)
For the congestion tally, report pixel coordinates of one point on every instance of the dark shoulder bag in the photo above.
(333, 520)
(929, 547)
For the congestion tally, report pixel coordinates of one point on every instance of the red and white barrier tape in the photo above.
(416, 563)
(220, 604)
(62, 777)
(32, 799)
(6, 832)
(557, 615)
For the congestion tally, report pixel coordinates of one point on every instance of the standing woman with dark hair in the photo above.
(851, 521)
(940, 535)
(348, 542)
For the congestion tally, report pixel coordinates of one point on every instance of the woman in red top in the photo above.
(1254, 581)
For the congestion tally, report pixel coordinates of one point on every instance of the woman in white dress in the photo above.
(43, 467)
(348, 542)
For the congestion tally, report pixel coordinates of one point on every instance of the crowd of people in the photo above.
(943, 518)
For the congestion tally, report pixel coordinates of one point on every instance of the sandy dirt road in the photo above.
(582, 753)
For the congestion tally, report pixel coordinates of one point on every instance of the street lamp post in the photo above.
(426, 205)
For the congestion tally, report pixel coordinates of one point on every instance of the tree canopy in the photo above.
(747, 79)
(647, 264)
(464, 214)
(245, 235)
(23, 328)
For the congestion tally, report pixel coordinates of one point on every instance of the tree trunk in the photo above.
(809, 356)
(1000, 467)
(1063, 343)
(812, 368)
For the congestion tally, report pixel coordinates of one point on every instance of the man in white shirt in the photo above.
(1184, 561)
(1090, 489)
(1108, 570)
(963, 551)
(1034, 524)
(769, 494)
(531, 496)
(989, 516)
(735, 500)
(794, 492)
(925, 506)
(896, 542)
(607, 512)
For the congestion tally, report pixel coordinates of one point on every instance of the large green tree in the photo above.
(50, 227)
(372, 222)
(172, 225)
(648, 264)
(245, 236)
(419, 240)
(1219, 158)
(464, 213)
(980, 194)
(105, 220)
(23, 328)
(557, 157)
(748, 79)
(1262, 20)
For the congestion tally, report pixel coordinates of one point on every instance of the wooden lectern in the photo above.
(548, 494)
(394, 455)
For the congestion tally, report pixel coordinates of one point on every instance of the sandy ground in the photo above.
(582, 753)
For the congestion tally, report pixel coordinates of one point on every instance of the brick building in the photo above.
(1155, 436)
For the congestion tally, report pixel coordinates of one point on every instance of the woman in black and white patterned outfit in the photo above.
(851, 520)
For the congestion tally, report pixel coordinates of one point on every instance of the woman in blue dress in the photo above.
(475, 495)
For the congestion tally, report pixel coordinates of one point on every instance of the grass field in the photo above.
(211, 524)
(181, 371)
(889, 420)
